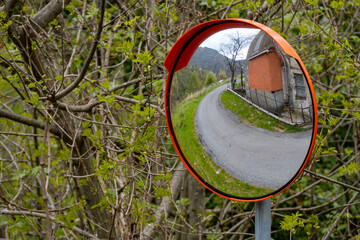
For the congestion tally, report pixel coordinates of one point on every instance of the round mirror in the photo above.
(240, 108)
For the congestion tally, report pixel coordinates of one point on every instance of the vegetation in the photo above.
(222, 75)
(210, 79)
(84, 148)
(183, 118)
(189, 80)
(252, 116)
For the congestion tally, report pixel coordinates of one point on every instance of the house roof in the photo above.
(260, 43)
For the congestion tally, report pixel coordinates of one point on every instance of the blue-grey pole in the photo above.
(262, 220)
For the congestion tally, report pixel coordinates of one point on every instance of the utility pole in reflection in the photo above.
(242, 79)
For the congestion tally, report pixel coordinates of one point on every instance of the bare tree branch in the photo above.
(41, 215)
(9, 7)
(332, 180)
(28, 121)
(80, 108)
(335, 223)
(49, 12)
(131, 100)
(165, 205)
(125, 84)
(88, 60)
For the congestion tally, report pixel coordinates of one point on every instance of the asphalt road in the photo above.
(254, 155)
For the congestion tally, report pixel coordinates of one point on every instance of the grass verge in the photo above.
(183, 118)
(255, 117)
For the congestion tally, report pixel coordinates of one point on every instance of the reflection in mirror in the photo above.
(242, 113)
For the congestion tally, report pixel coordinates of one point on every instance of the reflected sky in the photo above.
(216, 40)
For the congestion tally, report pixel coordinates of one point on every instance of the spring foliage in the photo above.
(85, 153)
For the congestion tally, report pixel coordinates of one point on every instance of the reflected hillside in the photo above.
(211, 60)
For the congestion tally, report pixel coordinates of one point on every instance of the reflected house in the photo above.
(275, 82)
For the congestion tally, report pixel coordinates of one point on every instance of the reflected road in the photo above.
(254, 155)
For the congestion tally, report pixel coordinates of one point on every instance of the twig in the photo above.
(332, 180)
(41, 215)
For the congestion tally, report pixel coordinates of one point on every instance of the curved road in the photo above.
(254, 155)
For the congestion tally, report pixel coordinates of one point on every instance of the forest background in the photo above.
(85, 152)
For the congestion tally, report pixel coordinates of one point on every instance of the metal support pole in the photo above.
(242, 83)
(263, 220)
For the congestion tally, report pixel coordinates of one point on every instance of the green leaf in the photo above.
(34, 99)
(31, 85)
(35, 170)
(19, 174)
(70, 8)
(313, 2)
(143, 58)
(107, 99)
(126, 46)
(86, 124)
(166, 177)
(86, 132)
(59, 78)
(337, 5)
(317, 67)
(54, 22)
(349, 169)
(105, 84)
(291, 222)
(161, 192)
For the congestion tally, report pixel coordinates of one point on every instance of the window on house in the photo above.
(300, 86)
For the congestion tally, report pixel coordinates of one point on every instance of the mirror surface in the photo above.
(242, 113)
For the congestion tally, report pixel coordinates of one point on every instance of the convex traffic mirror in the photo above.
(240, 107)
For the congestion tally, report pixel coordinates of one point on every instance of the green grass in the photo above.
(183, 118)
(253, 116)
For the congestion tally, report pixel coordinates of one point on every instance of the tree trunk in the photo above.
(91, 191)
(196, 212)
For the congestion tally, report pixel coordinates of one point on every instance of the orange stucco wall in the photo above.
(265, 72)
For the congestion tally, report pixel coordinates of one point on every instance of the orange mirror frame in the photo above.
(179, 57)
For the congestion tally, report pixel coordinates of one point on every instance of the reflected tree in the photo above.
(232, 53)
